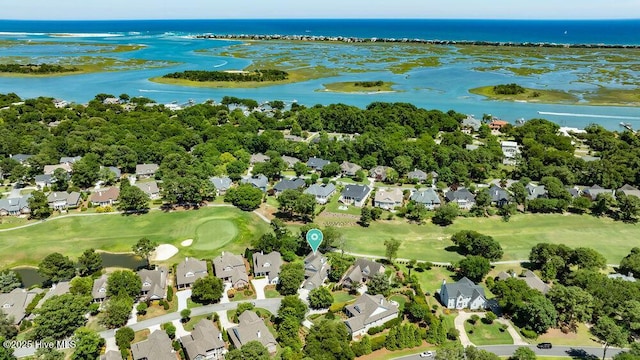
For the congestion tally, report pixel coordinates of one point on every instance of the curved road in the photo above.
(568, 351)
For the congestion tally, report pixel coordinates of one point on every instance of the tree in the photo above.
(391, 248)
(133, 199)
(144, 247)
(572, 304)
(320, 298)
(403, 336)
(365, 216)
(81, 286)
(291, 277)
(245, 197)
(249, 351)
(300, 168)
(124, 283)
(88, 345)
(607, 331)
(291, 305)
(523, 353)
(45, 353)
(331, 169)
(450, 351)
(628, 208)
(56, 267)
(60, 316)
(117, 311)
(360, 175)
(7, 329)
(9, 280)
(39, 206)
(89, 262)
(537, 314)
(473, 353)
(416, 212)
(631, 262)
(474, 267)
(86, 171)
(288, 333)
(60, 180)
(124, 337)
(294, 202)
(185, 315)
(329, 340)
(519, 192)
(588, 259)
(602, 204)
(473, 243)
(5, 352)
(207, 290)
(445, 214)
(379, 284)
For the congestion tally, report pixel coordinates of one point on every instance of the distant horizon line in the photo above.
(327, 18)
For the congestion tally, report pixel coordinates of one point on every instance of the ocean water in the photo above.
(444, 87)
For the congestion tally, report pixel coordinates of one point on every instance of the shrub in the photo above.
(165, 305)
(489, 318)
(142, 308)
(474, 319)
(377, 343)
(248, 292)
(94, 309)
(337, 307)
(529, 334)
(170, 294)
(453, 334)
(170, 329)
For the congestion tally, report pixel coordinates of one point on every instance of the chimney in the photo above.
(444, 281)
(381, 300)
(258, 334)
(220, 336)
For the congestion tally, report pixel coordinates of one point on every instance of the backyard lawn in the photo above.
(484, 334)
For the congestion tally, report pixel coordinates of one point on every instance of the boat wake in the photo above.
(590, 115)
(219, 65)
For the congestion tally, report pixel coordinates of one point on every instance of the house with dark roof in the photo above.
(629, 190)
(462, 197)
(204, 343)
(417, 175)
(379, 173)
(252, 328)
(288, 184)
(150, 188)
(43, 180)
(115, 171)
(464, 294)
(154, 283)
(574, 192)
(355, 195)
(470, 124)
(259, 158)
(222, 184)
(316, 270)
(349, 168)
(21, 158)
(267, 265)
(499, 196)
(158, 346)
(104, 197)
(367, 312)
(427, 197)
(230, 269)
(145, 171)
(61, 200)
(188, 271)
(14, 304)
(290, 161)
(322, 192)
(529, 277)
(596, 190)
(361, 271)
(15, 206)
(111, 355)
(70, 160)
(258, 181)
(99, 290)
(317, 164)
(535, 191)
(388, 199)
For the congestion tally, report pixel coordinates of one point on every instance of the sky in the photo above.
(256, 9)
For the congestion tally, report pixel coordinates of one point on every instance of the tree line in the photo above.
(244, 76)
(36, 68)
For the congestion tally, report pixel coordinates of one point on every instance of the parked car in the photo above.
(426, 354)
(545, 345)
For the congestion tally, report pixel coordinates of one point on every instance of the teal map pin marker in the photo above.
(314, 238)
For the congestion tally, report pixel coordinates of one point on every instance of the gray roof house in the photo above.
(204, 342)
(157, 347)
(388, 199)
(99, 290)
(49, 169)
(535, 191)
(470, 123)
(150, 188)
(115, 171)
(574, 191)
(361, 271)
(288, 184)
(463, 294)
(222, 184)
(259, 158)
(530, 278)
(379, 173)
(21, 158)
(369, 311)
(427, 197)
(146, 170)
(15, 206)
(463, 197)
(190, 270)
(267, 265)
(595, 190)
(104, 197)
(70, 160)
(43, 180)
(417, 175)
(322, 192)
(499, 196)
(290, 160)
(630, 190)
(58, 289)
(349, 169)
(258, 181)
(629, 277)
(154, 283)
(111, 355)
(317, 164)
(13, 304)
(231, 269)
(60, 200)
(355, 195)
(316, 270)
(252, 328)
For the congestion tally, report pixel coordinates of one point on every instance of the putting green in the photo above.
(213, 234)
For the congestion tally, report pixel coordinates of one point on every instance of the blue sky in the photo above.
(224, 9)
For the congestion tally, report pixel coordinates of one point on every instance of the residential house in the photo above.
(231, 269)
(158, 346)
(288, 184)
(497, 125)
(146, 171)
(317, 164)
(259, 158)
(574, 192)
(464, 294)
(252, 328)
(630, 190)
(510, 151)
(535, 191)
(188, 271)
(115, 171)
(204, 343)
(49, 169)
(99, 290)
(222, 184)
(388, 199)
(267, 265)
(150, 188)
(316, 270)
(322, 192)
(105, 197)
(290, 161)
(629, 277)
(355, 195)
(21, 158)
(499, 196)
(379, 173)
(367, 312)
(154, 283)
(427, 197)
(70, 160)
(15, 206)
(530, 278)
(462, 197)
(470, 124)
(111, 101)
(349, 169)
(58, 289)
(417, 175)
(14, 304)
(43, 180)
(361, 271)
(111, 355)
(258, 181)
(294, 138)
(595, 190)
(60, 200)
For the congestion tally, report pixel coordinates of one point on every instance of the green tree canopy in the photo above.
(320, 298)
(474, 267)
(207, 290)
(56, 267)
(329, 340)
(60, 316)
(124, 283)
(291, 277)
(89, 262)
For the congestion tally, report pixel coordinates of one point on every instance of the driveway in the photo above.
(225, 295)
(259, 285)
(224, 320)
(459, 324)
(180, 331)
(303, 294)
(182, 298)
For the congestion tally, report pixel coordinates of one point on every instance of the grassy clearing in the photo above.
(614, 97)
(484, 334)
(193, 321)
(351, 87)
(342, 297)
(582, 338)
(270, 292)
(401, 300)
(155, 309)
(233, 231)
(84, 64)
(530, 95)
(141, 335)
(191, 304)
(431, 280)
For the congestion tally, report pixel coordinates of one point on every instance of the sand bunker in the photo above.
(164, 252)
(187, 242)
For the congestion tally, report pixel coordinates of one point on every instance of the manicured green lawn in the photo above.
(213, 229)
(583, 337)
(484, 334)
(334, 205)
(193, 321)
(191, 304)
(400, 299)
(271, 292)
(431, 280)
(342, 296)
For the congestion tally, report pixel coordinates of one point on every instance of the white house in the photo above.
(367, 312)
(510, 149)
(463, 294)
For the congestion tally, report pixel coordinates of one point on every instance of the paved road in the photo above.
(508, 350)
